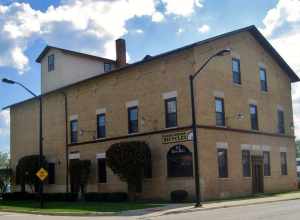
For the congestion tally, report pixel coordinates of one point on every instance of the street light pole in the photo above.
(8, 81)
(194, 126)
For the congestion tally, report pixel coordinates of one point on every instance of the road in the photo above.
(287, 210)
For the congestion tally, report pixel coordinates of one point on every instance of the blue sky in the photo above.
(149, 26)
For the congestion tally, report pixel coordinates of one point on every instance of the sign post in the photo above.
(42, 174)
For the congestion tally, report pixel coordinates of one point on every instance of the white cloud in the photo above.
(285, 12)
(4, 122)
(180, 31)
(157, 17)
(204, 29)
(139, 31)
(181, 8)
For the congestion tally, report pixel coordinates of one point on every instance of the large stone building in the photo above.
(243, 107)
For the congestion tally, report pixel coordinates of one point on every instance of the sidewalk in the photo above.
(183, 208)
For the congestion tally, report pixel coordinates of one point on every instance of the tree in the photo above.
(79, 174)
(26, 171)
(298, 148)
(130, 161)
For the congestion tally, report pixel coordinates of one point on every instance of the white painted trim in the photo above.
(252, 101)
(73, 117)
(74, 156)
(256, 148)
(222, 145)
(283, 149)
(266, 148)
(280, 107)
(168, 95)
(100, 155)
(101, 111)
(246, 147)
(219, 94)
(132, 103)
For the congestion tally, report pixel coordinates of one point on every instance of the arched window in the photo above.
(180, 161)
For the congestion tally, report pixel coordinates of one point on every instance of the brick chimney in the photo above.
(121, 52)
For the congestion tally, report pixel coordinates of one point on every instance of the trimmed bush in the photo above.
(18, 196)
(179, 196)
(61, 197)
(106, 197)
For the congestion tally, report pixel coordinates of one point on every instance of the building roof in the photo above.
(251, 29)
(48, 47)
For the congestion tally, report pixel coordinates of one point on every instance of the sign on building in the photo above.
(177, 137)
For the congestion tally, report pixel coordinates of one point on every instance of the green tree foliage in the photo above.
(79, 174)
(4, 160)
(26, 171)
(130, 160)
(298, 148)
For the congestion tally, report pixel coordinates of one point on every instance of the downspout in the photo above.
(66, 141)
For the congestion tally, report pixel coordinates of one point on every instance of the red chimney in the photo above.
(121, 52)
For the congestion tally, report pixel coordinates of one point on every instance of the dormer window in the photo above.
(50, 62)
(107, 67)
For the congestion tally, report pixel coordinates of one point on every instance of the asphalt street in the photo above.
(286, 210)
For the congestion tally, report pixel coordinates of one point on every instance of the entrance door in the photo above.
(257, 174)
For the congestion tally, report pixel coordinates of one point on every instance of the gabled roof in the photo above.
(251, 29)
(47, 48)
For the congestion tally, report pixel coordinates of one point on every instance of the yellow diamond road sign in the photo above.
(42, 174)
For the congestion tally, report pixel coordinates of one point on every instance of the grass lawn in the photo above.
(75, 207)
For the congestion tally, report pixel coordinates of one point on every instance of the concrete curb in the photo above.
(79, 214)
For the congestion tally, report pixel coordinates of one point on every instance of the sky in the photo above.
(149, 27)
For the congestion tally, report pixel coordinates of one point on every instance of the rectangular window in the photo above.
(74, 131)
(220, 113)
(133, 120)
(280, 121)
(51, 171)
(283, 163)
(236, 71)
(253, 117)
(263, 80)
(102, 176)
(101, 131)
(267, 163)
(107, 67)
(246, 163)
(171, 112)
(51, 62)
(222, 163)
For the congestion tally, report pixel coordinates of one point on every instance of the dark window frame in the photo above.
(220, 116)
(267, 166)
(101, 170)
(168, 115)
(283, 163)
(51, 171)
(107, 67)
(280, 122)
(222, 163)
(254, 120)
(51, 62)
(246, 163)
(236, 76)
(179, 161)
(133, 125)
(101, 130)
(263, 82)
(73, 134)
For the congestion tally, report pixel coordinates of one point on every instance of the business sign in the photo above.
(176, 137)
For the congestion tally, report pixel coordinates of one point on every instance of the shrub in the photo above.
(61, 197)
(131, 162)
(179, 196)
(18, 196)
(106, 197)
(95, 197)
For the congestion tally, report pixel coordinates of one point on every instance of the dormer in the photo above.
(61, 67)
